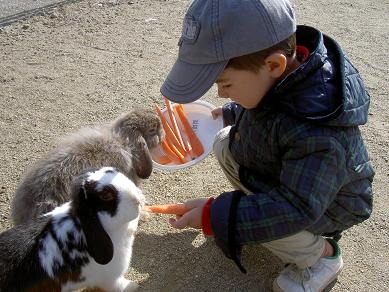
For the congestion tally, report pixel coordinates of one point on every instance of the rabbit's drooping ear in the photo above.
(99, 244)
(141, 158)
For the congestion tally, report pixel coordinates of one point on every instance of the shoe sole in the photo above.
(277, 288)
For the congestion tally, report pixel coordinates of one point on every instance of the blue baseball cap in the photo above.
(214, 31)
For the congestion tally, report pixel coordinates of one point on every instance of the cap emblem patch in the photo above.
(190, 29)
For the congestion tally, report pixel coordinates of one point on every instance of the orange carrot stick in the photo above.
(185, 139)
(169, 152)
(162, 159)
(187, 146)
(174, 209)
(177, 152)
(197, 146)
(175, 129)
(168, 131)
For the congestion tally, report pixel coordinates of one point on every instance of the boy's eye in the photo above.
(227, 86)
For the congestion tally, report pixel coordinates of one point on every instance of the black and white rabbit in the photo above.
(123, 144)
(86, 242)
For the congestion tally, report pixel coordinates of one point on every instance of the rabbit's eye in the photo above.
(151, 132)
(107, 194)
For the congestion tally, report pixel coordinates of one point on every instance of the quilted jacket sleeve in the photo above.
(313, 171)
(231, 111)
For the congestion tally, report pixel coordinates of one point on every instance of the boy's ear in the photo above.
(276, 64)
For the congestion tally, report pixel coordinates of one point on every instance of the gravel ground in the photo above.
(87, 62)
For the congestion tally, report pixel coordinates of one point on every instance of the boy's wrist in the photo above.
(206, 218)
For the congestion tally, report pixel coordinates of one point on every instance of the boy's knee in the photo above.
(221, 142)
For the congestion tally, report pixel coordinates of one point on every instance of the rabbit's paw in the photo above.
(144, 216)
(122, 284)
(131, 286)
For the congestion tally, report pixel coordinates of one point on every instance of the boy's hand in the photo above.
(192, 218)
(217, 112)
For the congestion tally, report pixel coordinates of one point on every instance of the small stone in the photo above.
(54, 15)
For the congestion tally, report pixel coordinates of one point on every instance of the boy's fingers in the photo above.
(179, 223)
(216, 112)
(196, 203)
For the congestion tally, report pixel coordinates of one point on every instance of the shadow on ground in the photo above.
(186, 261)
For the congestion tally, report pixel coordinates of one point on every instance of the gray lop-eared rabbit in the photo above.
(123, 144)
(86, 242)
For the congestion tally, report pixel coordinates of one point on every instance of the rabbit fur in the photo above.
(123, 144)
(86, 242)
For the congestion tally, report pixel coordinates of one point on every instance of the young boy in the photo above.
(292, 148)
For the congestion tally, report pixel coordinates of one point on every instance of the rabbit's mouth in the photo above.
(155, 141)
(142, 203)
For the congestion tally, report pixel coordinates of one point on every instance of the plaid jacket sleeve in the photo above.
(313, 171)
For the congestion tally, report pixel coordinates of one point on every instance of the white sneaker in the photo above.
(312, 279)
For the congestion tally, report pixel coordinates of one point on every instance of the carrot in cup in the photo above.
(184, 136)
(162, 159)
(175, 128)
(177, 152)
(169, 132)
(170, 153)
(172, 209)
(197, 146)
(188, 147)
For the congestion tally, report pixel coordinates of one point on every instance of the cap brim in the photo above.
(188, 82)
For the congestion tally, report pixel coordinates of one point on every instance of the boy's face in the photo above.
(245, 87)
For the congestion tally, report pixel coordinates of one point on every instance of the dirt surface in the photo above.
(88, 62)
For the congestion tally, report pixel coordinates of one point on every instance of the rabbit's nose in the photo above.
(135, 201)
(161, 136)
